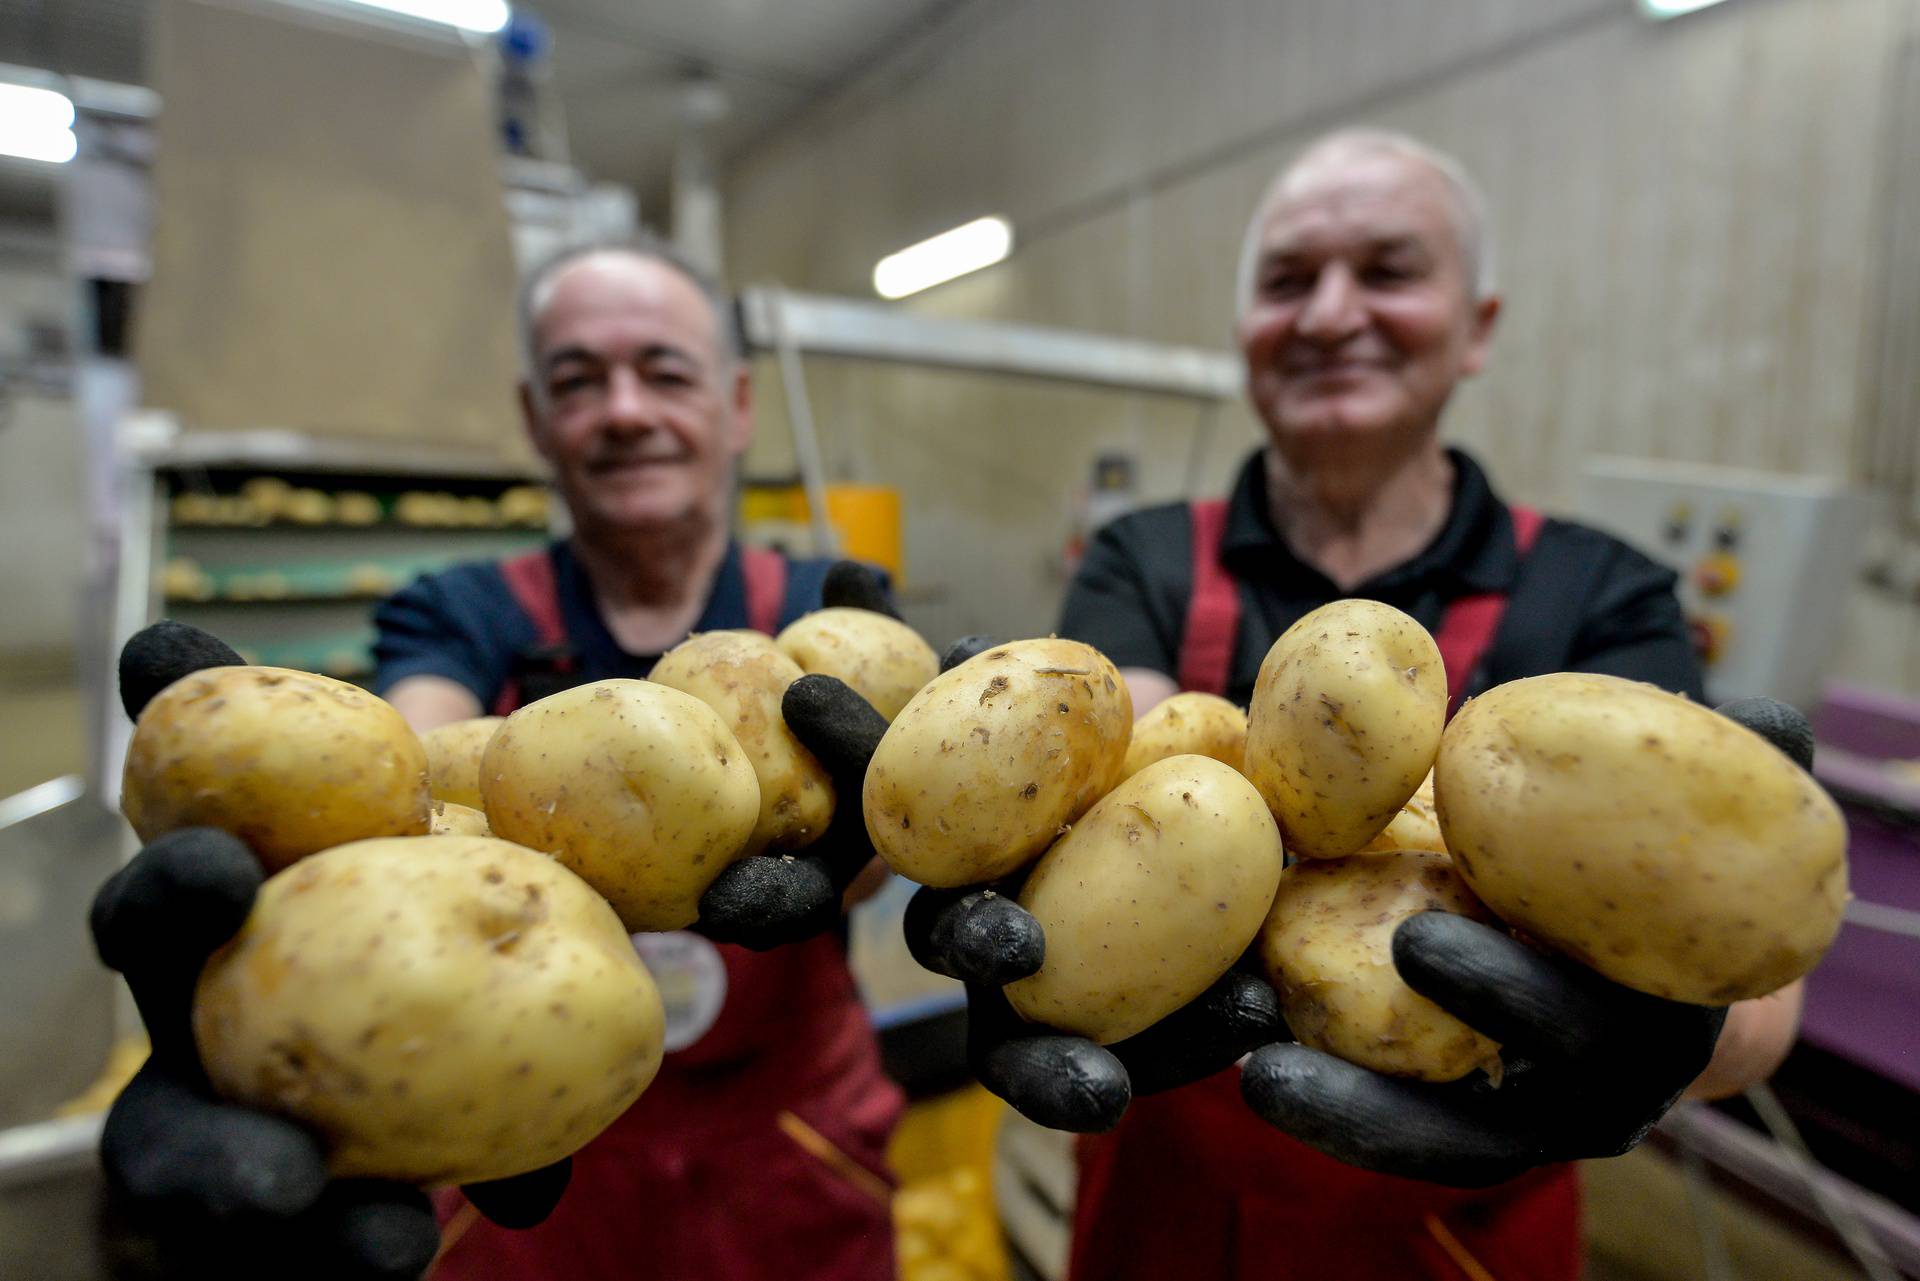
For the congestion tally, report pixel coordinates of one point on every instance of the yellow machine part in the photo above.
(944, 1221)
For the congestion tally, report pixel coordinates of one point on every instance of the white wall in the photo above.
(1693, 217)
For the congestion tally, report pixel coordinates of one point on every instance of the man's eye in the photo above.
(1286, 285)
(567, 385)
(1388, 273)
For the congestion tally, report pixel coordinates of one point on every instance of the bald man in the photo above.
(1366, 296)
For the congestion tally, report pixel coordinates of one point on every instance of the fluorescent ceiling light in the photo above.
(36, 124)
(1672, 8)
(977, 244)
(471, 15)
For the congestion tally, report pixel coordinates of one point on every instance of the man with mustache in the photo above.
(1366, 295)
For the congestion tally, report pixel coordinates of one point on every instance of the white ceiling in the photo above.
(616, 63)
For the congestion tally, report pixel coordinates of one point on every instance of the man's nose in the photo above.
(629, 404)
(1333, 310)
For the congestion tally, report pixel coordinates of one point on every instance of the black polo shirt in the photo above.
(1611, 609)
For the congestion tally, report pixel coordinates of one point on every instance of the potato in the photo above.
(981, 769)
(640, 789)
(453, 758)
(1149, 899)
(450, 819)
(1643, 835)
(742, 676)
(1201, 724)
(438, 1009)
(1346, 720)
(287, 761)
(1415, 827)
(885, 661)
(1328, 949)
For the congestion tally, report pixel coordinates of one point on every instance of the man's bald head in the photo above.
(1342, 148)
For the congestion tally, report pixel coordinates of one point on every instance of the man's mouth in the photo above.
(1332, 369)
(633, 463)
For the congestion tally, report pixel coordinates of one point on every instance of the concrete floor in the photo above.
(43, 732)
(1640, 1227)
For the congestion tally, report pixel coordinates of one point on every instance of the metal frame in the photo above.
(788, 325)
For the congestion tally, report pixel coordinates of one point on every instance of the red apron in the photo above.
(760, 1149)
(1191, 1184)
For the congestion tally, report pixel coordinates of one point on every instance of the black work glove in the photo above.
(983, 937)
(1590, 1066)
(773, 899)
(226, 1190)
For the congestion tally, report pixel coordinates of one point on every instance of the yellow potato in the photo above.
(1415, 827)
(1643, 835)
(438, 1009)
(1149, 899)
(287, 761)
(1328, 949)
(451, 819)
(1190, 723)
(1345, 722)
(885, 661)
(742, 676)
(453, 758)
(981, 770)
(640, 789)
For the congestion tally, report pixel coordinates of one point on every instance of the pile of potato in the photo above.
(437, 978)
(1644, 836)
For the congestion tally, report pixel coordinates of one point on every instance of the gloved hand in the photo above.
(226, 1190)
(1590, 1066)
(983, 937)
(774, 899)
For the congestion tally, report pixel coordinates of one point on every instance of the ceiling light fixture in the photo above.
(36, 124)
(969, 247)
(1672, 8)
(469, 15)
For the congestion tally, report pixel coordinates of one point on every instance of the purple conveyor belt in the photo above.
(1863, 1002)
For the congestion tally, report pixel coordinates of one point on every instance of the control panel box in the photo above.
(1766, 562)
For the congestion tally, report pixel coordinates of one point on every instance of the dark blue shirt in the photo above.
(464, 624)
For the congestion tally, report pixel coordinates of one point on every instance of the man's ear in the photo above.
(742, 399)
(533, 420)
(1486, 314)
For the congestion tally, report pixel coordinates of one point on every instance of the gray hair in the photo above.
(1469, 205)
(536, 290)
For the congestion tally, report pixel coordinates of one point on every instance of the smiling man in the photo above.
(759, 1150)
(637, 398)
(1365, 297)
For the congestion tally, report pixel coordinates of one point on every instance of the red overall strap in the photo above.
(1469, 623)
(1213, 610)
(530, 579)
(766, 573)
